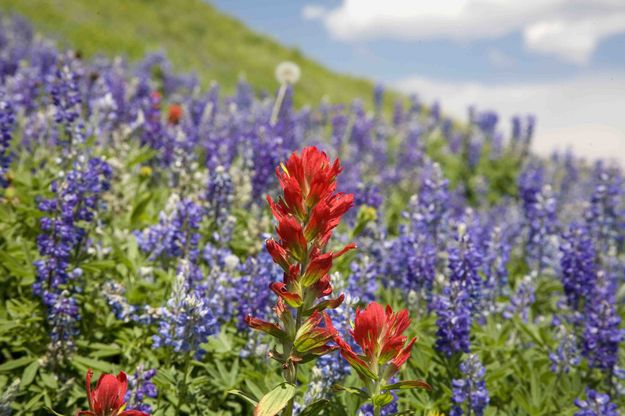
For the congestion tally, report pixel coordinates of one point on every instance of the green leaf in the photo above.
(273, 402)
(243, 395)
(50, 410)
(408, 384)
(83, 363)
(381, 400)
(140, 208)
(13, 364)
(29, 374)
(98, 266)
(315, 408)
(350, 390)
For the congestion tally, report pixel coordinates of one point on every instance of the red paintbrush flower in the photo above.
(307, 212)
(108, 397)
(174, 114)
(379, 333)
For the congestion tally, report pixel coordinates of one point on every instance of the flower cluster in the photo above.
(187, 320)
(602, 335)
(307, 213)
(577, 265)
(596, 404)
(141, 387)
(176, 235)
(470, 392)
(379, 334)
(454, 319)
(62, 240)
(7, 123)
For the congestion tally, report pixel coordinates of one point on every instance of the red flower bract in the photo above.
(107, 399)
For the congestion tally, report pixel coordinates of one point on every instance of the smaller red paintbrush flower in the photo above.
(379, 333)
(108, 397)
(174, 114)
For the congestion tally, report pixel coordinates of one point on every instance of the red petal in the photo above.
(316, 269)
(293, 299)
(264, 326)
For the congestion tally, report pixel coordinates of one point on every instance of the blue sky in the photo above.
(563, 60)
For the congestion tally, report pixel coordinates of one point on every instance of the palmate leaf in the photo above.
(276, 400)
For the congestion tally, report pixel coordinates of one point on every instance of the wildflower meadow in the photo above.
(170, 249)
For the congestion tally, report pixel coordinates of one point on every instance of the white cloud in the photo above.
(569, 29)
(585, 113)
(313, 11)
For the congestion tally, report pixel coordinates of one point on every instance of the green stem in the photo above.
(291, 376)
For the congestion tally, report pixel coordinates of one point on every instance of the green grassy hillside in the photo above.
(195, 36)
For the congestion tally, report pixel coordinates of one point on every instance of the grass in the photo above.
(195, 36)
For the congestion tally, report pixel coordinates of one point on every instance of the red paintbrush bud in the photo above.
(174, 114)
(108, 397)
(292, 237)
(278, 254)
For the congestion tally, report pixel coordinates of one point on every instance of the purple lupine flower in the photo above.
(63, 317)
(7, 124)
(516, 129)
(252, 295)
(435, 112)
(116, 299)
(339, 128)
(267, 152)
(219, 195)
(542, 221)
(605, 216)
(470, 393)
(140, 388)
(410, 263)
(596, 404)
(495, 265)
(65, 94)
(453, 308)
(187, 319)
(177, 233)
(566, 355)
(244, 96)
(398, 113)
(378, 98)
(486, 122)
(77, 198)
(411, 153)
(522, 300)
(464, 263)
(577, 264)
(602, 333)
(430, 208)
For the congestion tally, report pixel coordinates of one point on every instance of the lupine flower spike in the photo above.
(108, 397)
(379, 333)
